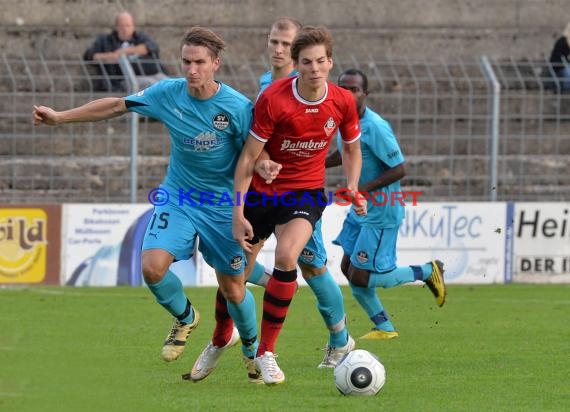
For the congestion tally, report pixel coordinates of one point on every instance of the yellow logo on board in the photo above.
(23, 245)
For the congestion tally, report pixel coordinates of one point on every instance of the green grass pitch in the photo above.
(491, 348)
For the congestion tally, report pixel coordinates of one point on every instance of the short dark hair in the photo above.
(356, 72)
(199, 36)
(311, 36)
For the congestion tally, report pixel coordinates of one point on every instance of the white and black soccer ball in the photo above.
(359, 373)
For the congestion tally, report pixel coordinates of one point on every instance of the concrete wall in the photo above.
(396, 28)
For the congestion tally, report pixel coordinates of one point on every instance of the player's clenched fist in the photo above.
(46, 115)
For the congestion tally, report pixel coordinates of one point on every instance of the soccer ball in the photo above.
(359, 373)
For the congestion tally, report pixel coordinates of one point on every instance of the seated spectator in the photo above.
(141, 50)
(559, 58)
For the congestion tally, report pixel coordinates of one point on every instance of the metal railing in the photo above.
(457, 143)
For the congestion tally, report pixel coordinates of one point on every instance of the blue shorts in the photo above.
(314, 254)
(174, 229)
(369, 248)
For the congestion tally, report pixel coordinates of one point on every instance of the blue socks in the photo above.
(243, 315)
(399, 276)
(170, 294)
(426, 270)
(331, 306)
(258, 275)
(370, 302)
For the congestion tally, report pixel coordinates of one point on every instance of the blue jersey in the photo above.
(206, 137)
(380, 151)
(266, 79)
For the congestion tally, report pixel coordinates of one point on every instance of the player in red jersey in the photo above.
(294, 120)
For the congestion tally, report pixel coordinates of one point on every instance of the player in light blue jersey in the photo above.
(369, 242)
(208, 122)
(279, 41)
(280, 38)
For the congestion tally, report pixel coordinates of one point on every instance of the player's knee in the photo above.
(233, 293)
(309, 271)
(285, 260)
(358, 277)
(152, 270)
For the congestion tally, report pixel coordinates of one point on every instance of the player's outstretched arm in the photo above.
(100, 109)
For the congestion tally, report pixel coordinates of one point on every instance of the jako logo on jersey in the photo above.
(303, 145)
(236, 262)
(329, 126)
(312, 110)
(139, 94)
(204, 141)
(221, 121)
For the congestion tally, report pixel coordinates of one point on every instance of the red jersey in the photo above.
(298, 132)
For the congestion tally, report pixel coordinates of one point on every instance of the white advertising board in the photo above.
(468, 237)
(93, 236)
(101, 245)
(541, 249)
(478, 242)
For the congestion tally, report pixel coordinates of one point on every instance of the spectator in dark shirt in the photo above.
(141, 50)
(559, 58)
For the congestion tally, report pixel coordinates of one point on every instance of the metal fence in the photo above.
(475, 129)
